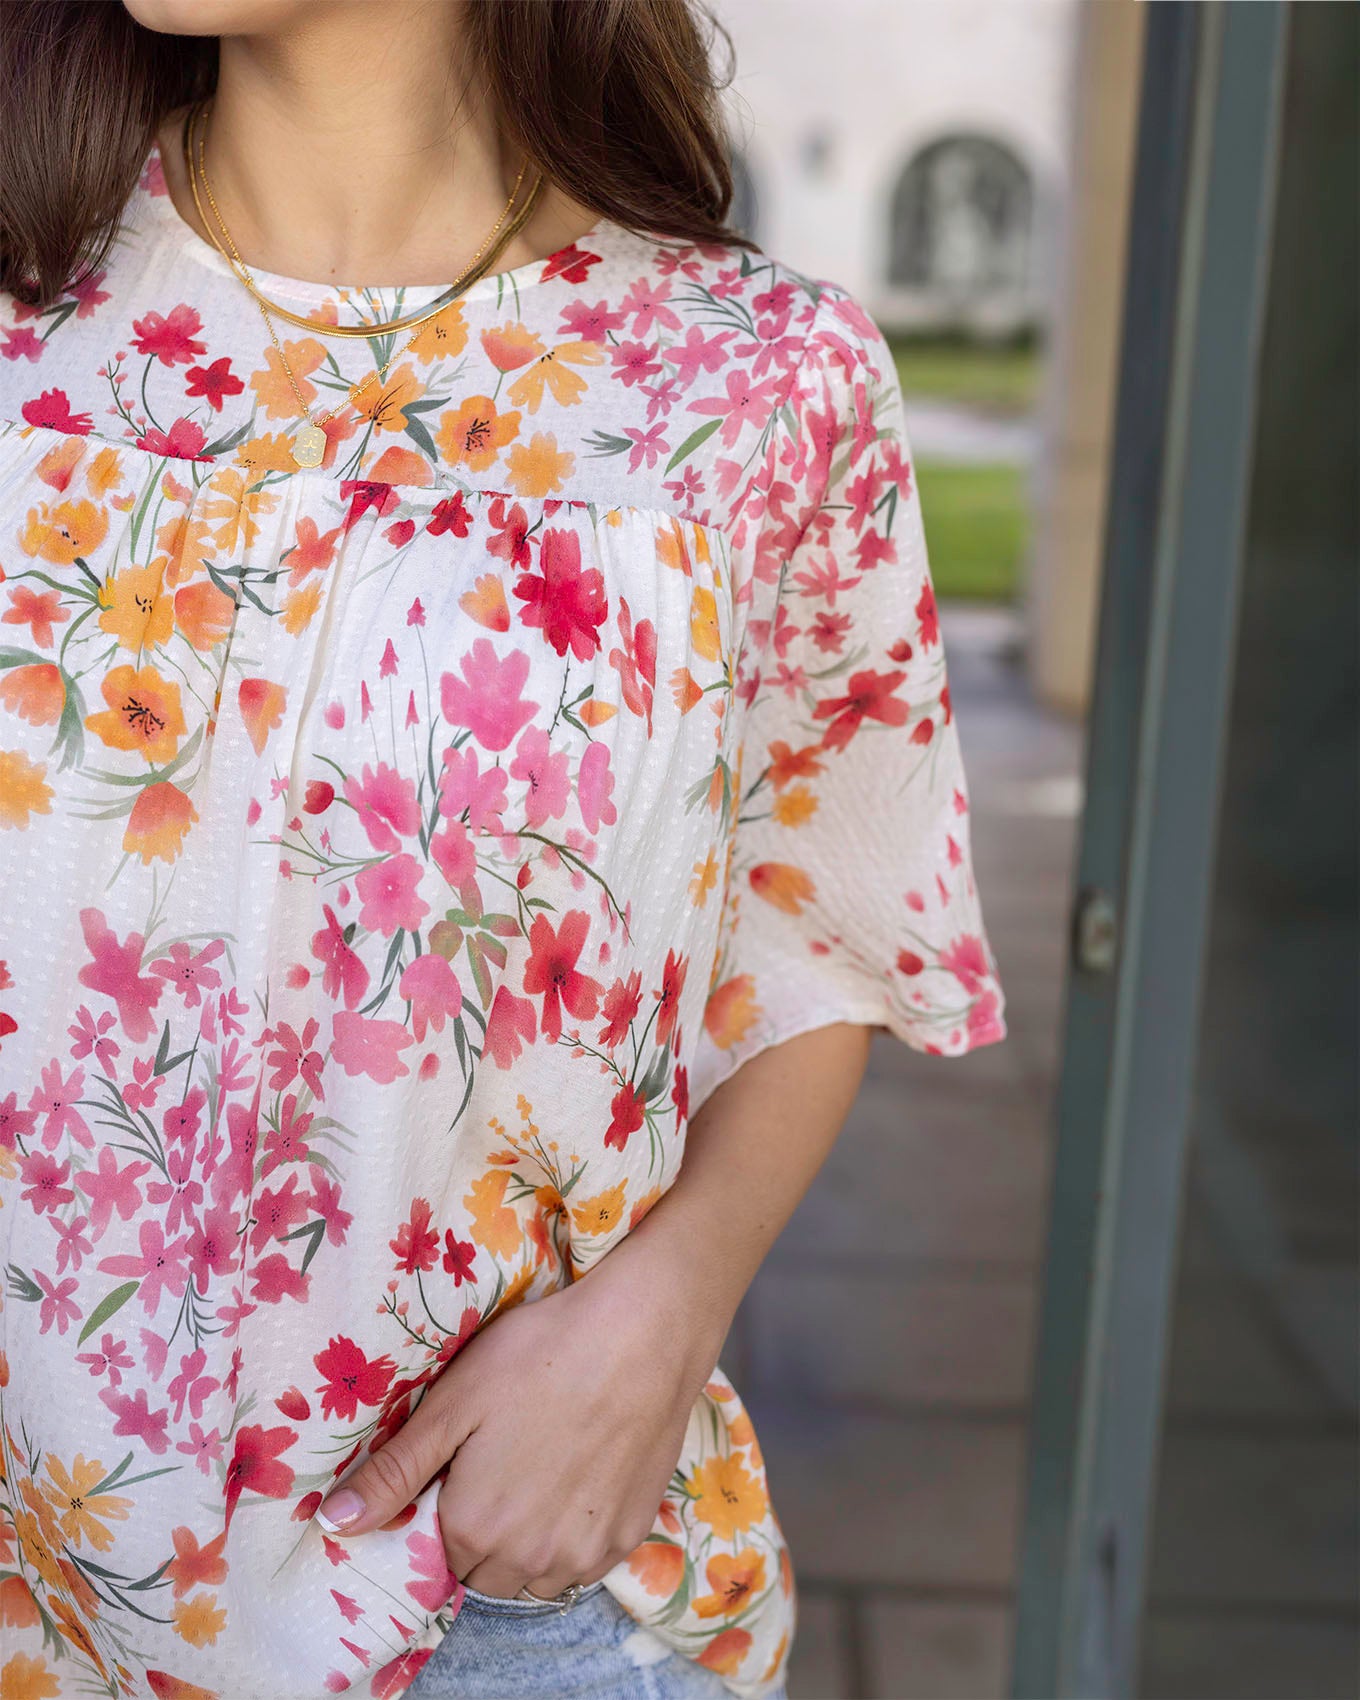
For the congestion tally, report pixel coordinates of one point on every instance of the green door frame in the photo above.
(1198, 240)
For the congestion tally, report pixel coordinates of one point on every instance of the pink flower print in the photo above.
(189, 972)
(967, 962)
(213, 1246)
(386, 805)
(15, 1124)
(136, 1418)
(180, 1122)
(111, 1359)
(57, 1304)
(452, 853)
(551, 970)
(115, 972)
(390, 895)
(634, 361)
(387, 665)
(589, 324)
(487, 698)
(648, 446)
(548, 785)
(203, 1446)
(277, 1211)
(363, 1046)
(180, 1196)
(287, 1143)
(326, 1204)
(161, 1268)
(139, 1093)
(111, 1189)
(295, 1057)
(594, 783)
(647, 302)
(744, 404)
(190, 1388)
(510, 1026)
(698, 353)
(273, 1279)
(345, 974)
(434, 1580)
(55, 1100)
(170, 337)
(73, 1246)
(433, 992)
(90, 1035)
(636, 662)
(464, 787)
(44, 1180)
(567, 604)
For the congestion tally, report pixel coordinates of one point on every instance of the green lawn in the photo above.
(999, 379)
(976, 520)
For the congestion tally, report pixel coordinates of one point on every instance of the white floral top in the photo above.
(395, 856)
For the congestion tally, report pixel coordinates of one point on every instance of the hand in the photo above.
(564, 1419)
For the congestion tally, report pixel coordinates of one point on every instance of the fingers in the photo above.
(390, 1478)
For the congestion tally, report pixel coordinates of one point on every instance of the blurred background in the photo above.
(1086, 1424)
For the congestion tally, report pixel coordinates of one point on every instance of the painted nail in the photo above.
(336, 1513)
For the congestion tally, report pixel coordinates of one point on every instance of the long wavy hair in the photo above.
(622, 115)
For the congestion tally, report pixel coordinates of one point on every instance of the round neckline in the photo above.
(387, 299)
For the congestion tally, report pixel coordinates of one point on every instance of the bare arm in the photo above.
(565, 1419)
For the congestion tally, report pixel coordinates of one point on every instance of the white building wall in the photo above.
(880, 79)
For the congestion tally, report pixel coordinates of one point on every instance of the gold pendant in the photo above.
(309, 446)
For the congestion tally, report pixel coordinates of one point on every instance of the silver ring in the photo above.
(563, 1601)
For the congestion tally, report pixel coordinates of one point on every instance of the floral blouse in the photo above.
(396, 855)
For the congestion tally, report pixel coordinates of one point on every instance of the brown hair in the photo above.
(615, 101)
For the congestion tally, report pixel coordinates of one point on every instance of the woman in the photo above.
(448, 774)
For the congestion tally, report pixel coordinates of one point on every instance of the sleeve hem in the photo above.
(860, 1012)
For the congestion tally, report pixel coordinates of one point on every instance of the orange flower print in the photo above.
(659, 1566)
(485, 603)
(787, 764)
(384, 404)
(262, 704)
(511, 347)
(271, 386)
(475, 434)
(24, 790)
(35, 693)
(733, 1581)
(160, 820)
(552, 371)
(795, 807)
(40, 610)
(599, 1214)
(442, 336)
(494, 1225)
(143, 713)
(725, 1652)
(786, 887)
(83, 1514)
(65, 532)
(204, 613)
(727, 1496)
(703, 624)
(136, 609)
(22, 1678)
(730, 1011)
(199, 1621)
(539, 469)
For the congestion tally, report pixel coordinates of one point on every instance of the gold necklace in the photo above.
(309, 444)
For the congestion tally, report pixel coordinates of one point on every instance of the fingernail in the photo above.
(336, 1513)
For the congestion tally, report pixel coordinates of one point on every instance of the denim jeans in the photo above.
(500, 1649)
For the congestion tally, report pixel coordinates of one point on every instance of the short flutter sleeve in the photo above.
(850, 890)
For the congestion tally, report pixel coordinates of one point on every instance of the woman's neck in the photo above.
(355, 145)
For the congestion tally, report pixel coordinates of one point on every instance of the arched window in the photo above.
(962, 223)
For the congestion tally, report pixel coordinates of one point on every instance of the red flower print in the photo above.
(568, 605)
(669, 993)
(53, 410)
(487, 697)
(183, 441)
(452, 515)
(625, 1116)
(511, 526)
(459, 1257)
(345, 973)
(551, 970)
(510, 1026)
(349, 1379)
(255, 1466)
(868, 696)
(571, 263)
(214, 382)
(636, 662)
(39, 610)
(967, 962)
(416, 1246)
(621, 1004)
(169, 338)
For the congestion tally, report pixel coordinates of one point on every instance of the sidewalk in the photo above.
(884, 1347)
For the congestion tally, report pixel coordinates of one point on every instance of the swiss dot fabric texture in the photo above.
(396, 855)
